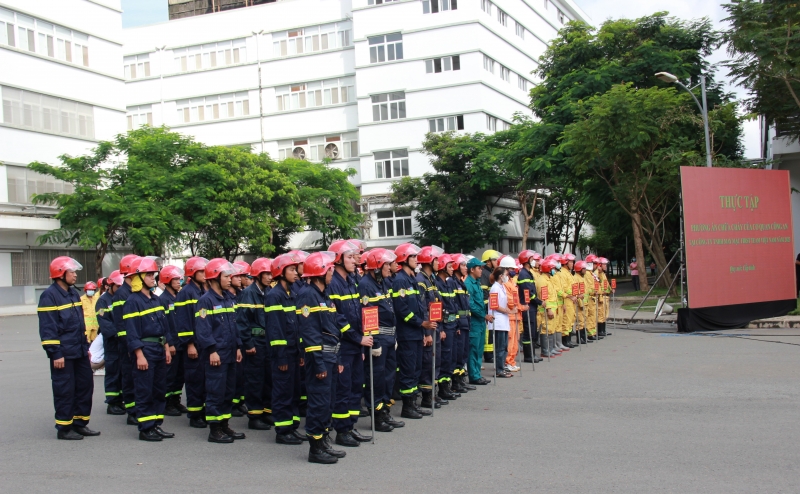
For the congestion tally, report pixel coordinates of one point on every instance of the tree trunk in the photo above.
(99, 255)
(639, 249)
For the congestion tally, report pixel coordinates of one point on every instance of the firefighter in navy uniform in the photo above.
(125, 364)
(146, 329)
(446, 286)
(298, 285)
(193, 368)
(280, 309)
(218, 343)
(252, 326)
(428, 259)
(318, 325)
(105, 318)
(171, 277)
(460, 383)
(375, 292)
(238, 285)
(350, 383)
(525, 281)
(63, 334)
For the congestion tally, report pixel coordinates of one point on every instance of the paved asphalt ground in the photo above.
(637, 412)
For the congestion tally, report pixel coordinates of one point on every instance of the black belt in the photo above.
(258, 331)
(331, 348)
(386, 330)
(155, 339)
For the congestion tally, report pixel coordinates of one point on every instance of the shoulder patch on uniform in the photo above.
(101, 312)
(306, 311)
(203, 313)
(402, 292)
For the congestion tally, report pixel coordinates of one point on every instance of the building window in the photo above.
(24, 183)
(502, 17)
(210, 55)
(41, 113)
(213, 107)
(522, 83)
(391, 164)
(519, 29)
(491, 123)
(140, 115)
(530, 244)
(394, 224)
(486, 6)
(514, 245)
(44, 38)
(312, 94)
(505, 73)
(488, 64)
(137, 66)
(443, 64)
(434, 6)
(388, 106)
(312, 39)
(562, 18)
(318, 148)
(443, 124)
(385, 48)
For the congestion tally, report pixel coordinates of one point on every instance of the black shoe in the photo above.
(198, 423)
(132, 420)
(299, 435)
(227, 430)
(150, 435)
(328, 447)
(363, 412)
(427, 400)
(380, 423)
(115, 409)
(527, 360)
(479, 382)
(592, 339)
(287, 438)
(267, 418)
(438, 402)
(537, 359)
(69, 435)
(488, 360)
(360, 437)
(346, 440)
(396, 424)
(216, 435)
(161, 432)
(171, 411)
(317, 453)
(85, 431)
(254, 422)
(466, 385)
(180, 406)
(242, 407)
(409, 410)
(235, 412)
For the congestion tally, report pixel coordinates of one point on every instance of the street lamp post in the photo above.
(667, 77)
(260, 97)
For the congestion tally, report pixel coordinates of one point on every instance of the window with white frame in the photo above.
(319, 148)
(505, 73)
(385, 48)
(486, 6)
(444, 124)
(488, 64)
(502, 17)
(388, 106)
(46, 39)
(318, 93)
(394, 224)
(24, 183)
(42, 113)
(139, 115)
(519, 29)
(391, 164)
(434, 6)
(442, 64)
(491, 123)
(562, 18)
(522, 83)
(210, 55)
(214, 107)
(137, 66)
(312, 39)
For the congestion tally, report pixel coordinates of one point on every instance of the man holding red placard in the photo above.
(447, 287)
(428, 259)
(526, 287)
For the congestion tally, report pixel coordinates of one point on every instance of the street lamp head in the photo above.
(667, 77)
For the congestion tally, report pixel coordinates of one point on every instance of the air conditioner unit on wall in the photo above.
(332, 151)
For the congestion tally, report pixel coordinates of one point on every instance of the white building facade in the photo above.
(62, 91)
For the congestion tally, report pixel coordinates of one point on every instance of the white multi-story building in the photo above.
(360, 81)
(61, 86)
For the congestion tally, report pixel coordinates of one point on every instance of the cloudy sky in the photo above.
(139, 12)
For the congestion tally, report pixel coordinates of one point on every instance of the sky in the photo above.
(141, 12)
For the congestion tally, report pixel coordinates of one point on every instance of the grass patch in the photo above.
(650, 305)
(657, 291)
(796, 312)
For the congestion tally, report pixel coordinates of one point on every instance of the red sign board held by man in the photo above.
(435, 311)
(369, 320)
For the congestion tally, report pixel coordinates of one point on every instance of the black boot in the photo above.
(227, 430)
(488, 357)
(317, 454)
(236, 411)
(254, 422)
(131, 420)
(360, 437)
(115, 409)
(217, 435)
(526, 353)
(427, 402)
(85, 431)
(465, 383)
(390, 420)
(605, 332)
(150, 435)
(346, 440)
(457, 387)
(198, 423)
(445, 391)
(409, 410)
(179, 405)
(380, 422)
(287, 438)
(69, 435)
(328, 447)
(299, 435)
(565, 340)
(171, 410)
(364, 412)
(438, 402)
(161, 432)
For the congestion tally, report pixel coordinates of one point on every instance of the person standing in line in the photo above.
(428, 261)
(460, 378)
(88, 301)
(548, 311)
(502, 323)
(635, 274)
(251, 321)
(171, 277)
(126, 265)
(479, 317)
(193, 367)
(239, 282)
(112, 380)
(490, 259)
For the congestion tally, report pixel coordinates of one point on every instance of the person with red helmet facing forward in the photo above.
(604, 297)
(63, 334)
(193, 368)
(428, 259)
(548, 311)
(446, 287)
(88, 301)
(218, 343)
(251, 323)
(360, 260)
(583, 300)
(112, 381)
(301, 255)
(246, 280)
(526, 282)
(570, 301)
(237, 287)
(126, 266)
(460, 382)
(146, 330)
(170, 277)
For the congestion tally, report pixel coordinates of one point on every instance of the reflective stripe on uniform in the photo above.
(277, 342)
(216, 311)
(150, 417)
(186, 333)
(408, 317)
(59, 307)
(345, 328)
(314, 348)
(218, 417)
(51, 342)
(143, 313)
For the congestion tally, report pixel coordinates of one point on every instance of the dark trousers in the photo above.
(462, 348)
(349, 387)
(635, 279)
(258, 380)
(113, 379)
(220, 386)
(501, 340)
(321, 396)
(175, 372)
(378, 372)
(194, 374)
(528, 337)
(487, 349)
(286, 395)
(238, 394)
(390, 368)
(126, 376)
(426, 373)
(409, 361)
(447, 354)
(150, 387)
(72, 392)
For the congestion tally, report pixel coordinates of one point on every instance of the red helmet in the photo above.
(89, 286)
(143, 265)
(244, 268)
(602, 260)
(580, 266)
(567, 258)
(554, 257)
(262, 265)
(101, 282)
(376, 258)
(343, 247)
(115, 278)
(195, 264)
(537, 257)
(428, 253)
(60, 265)
(283, 261)
(218, 266)
(525, 256)
(362, 246)
(126, 263)
(591, 258)
(300, 254)
(444, 260)
(404, 251)
(169, 273)
(459, 259)
(549, 265)
(318, 264)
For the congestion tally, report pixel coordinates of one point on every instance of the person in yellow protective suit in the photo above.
(88, 301)
(570, 300)
(490, 259)
(591, 299)
(547, 315)
(562, 288)
(605, 290)
(583, 301)
(598, 296)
